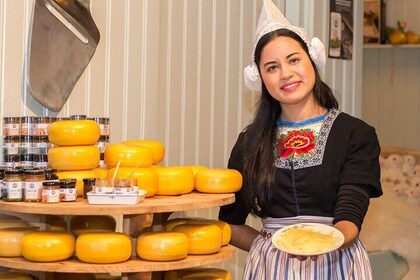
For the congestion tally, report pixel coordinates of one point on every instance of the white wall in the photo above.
(171, 71)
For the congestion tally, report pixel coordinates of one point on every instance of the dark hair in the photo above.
(260, 134)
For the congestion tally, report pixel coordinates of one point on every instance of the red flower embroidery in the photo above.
(297, 142)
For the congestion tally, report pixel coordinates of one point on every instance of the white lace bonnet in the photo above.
(272, 19)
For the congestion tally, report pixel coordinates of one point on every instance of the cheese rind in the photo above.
(157, 148)
(174, 180)
(73, 132)
(162, 246)
(11, 241)
(73, 157)
(218, 180)
(128, 156)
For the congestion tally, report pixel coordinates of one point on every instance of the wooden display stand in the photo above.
(152, 211)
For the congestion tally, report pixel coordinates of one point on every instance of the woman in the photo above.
(302, 160)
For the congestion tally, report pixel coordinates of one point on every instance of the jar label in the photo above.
(13, 190)
(11, 148)
(50, 196)
(42, 129)
(68, 194)
(104, 129)
(33, 190)
(11, 129)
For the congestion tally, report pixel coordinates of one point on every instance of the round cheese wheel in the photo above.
(101, 172)
(73, 132)
(10, 241)
(147, 178)
(13, 223)
(47, 246)
(128, 155)
(157, 148)
(73, 157)
(174, 180)
(86, 224)
(218, 180)
(226, 230)
(171, 223)
(78, 175)
(204, 238)
(162, 246)
(101, 247)
(15, 275)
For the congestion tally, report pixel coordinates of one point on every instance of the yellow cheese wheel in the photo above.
(226, 230)
(157, 148)
(13, 223)
(86, 224)
(101, 172)
(199, 273)
(171, 223)
(10, 241)
(218, 180)
(162, 246)
(15, 275)
(128, 155)
(174, 180)
(47, 246)
(78, 175)
(73, 132)
(204, 238)
(147, 178)
(73, 157)
(101, 247)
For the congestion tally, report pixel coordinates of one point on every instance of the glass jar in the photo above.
(104, 126)
(11, 126)
(11, 145)
(33, 185)
(26, 161)
(25, 125)
(88, 184)
(25, 144)
(40, 161)
(11, 160)
(13, 185)
(42, 126)
(50, 192)
(51, 174)
(68, 190)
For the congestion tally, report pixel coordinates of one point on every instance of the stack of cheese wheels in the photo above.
(162, 246)
(198, 273)
(146, 177)
(47, 246)
(103, 247)
(218, 180)
(204, 238)
(225, 228)
(87, 224)
(175, 180)
(10, 241)
(74, 153)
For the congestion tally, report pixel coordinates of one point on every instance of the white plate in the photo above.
(308, 239)
(111, 198)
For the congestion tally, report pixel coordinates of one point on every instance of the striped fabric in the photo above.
(266, 262)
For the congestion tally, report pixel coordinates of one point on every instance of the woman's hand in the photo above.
(350, 232)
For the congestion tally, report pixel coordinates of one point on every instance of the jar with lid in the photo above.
(26, 161)
(33, 185)
(42, 126)
(68, 191)
(11, 126)
(40, 161)
(11, 145)
(25, 125)
(1, 181)
(104, 126)
(11, 160)
(88, 184)
(50, 192)
(13, 185)
(51, 174)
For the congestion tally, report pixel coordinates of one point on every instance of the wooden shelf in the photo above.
(155, 204)
(131, 266)
(389, 46)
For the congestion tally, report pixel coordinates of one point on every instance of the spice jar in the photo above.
(88, 184)
(50, 192)
(25, 125)
(11, 126)
(68, 190)
(11, 145)
(11, 160)
(33, 185)
(13, 185)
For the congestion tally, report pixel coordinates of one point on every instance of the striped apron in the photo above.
(266, 262)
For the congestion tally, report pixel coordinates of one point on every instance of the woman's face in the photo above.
(287, 71)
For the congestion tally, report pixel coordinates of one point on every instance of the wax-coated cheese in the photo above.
(204, 238)
(87, 224)
(73, 132)
(218, 180)
(10, 241)
(162, 246)
(174, 180)
(73, 157)
(147, 178)
(157, 148)
(103, 247)
(128, 156)
(47, 246)
(79, 175)
(101, 172)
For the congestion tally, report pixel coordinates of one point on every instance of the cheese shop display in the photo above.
(174, 180)
(218, 180)
(157, 148)
(162, 246)
(147, 178)
(47, 246)
(204, 238)
(79, 175)
(103, 248)
(87, 224)
(128, 156)
(198, 273)
(10, 241)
